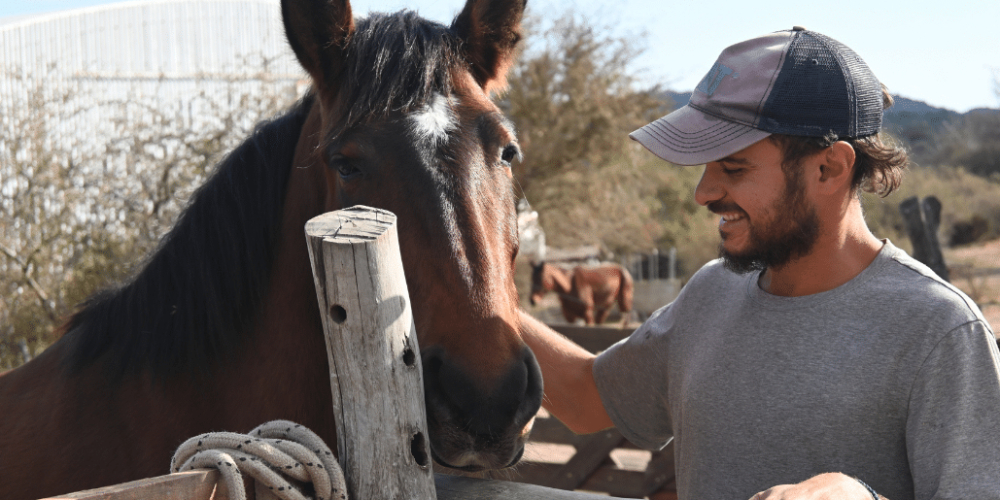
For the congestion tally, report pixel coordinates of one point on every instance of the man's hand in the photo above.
(831, 486)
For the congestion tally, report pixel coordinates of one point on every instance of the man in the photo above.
(813, 360)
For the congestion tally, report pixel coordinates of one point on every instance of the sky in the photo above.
(946, 54)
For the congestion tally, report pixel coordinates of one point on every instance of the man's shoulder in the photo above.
(915, 284)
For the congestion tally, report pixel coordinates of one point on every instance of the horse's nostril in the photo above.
(490, 408)
(432, 362)
(534, 388)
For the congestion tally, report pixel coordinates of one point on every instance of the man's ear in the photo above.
(837, 165)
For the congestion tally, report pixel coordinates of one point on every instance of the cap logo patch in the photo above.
(714, 78)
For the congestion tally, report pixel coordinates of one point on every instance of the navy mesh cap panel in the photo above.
(823, 86)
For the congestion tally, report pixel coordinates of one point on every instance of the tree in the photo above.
(85, 197)
(973, 143)
(573, 98)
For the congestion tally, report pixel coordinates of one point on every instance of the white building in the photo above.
(173, 56)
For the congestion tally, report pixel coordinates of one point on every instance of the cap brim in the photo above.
(689, 137)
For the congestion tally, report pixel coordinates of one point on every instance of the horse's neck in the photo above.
(129, 425)
(561, 280)
(286, 364)
(63, 420)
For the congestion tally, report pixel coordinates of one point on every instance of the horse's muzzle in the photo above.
(476, 424)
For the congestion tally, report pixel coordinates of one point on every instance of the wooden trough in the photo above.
(375, 376)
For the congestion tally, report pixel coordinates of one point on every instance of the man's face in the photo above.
(766, 219)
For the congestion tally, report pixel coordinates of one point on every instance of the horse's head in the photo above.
(405, 122)
(545, 278)
(541, 282)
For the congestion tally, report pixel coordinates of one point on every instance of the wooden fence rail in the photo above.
(594, 465)
(366, 441)
(208, 485)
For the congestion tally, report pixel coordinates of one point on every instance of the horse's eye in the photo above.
(344, 166)
(510, 153)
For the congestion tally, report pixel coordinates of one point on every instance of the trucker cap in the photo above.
(795, 82)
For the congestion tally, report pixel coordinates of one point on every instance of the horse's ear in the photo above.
(490, 30)
(318, 31)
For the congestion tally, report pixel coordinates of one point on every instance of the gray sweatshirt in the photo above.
(893, 377)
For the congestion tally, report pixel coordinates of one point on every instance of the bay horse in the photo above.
(220, 329)
(585, 292)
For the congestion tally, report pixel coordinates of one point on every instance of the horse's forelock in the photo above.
(396, 63)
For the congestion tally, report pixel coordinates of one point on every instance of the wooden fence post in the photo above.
(922, 221)
(375, 372)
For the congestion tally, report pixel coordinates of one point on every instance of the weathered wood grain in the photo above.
(193, 485)
(467, 488)
(375, 372)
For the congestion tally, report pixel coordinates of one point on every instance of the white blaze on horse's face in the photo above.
(431, 126)
(435, 120)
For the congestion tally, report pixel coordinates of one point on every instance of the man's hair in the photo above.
(878, 165)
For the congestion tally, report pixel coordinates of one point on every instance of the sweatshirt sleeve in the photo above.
(633, 385)
(953, 427)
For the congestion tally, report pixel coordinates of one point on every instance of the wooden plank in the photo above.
(551, 430)
(589, 456)
(468, 488)
(591, 338)
(375, 367)
(193, 485)
(201, 484)
(607, 478)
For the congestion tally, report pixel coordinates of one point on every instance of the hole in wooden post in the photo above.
(418, 448)
(409, 358)
(338, 314)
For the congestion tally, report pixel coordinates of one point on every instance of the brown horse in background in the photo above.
(585, 292)
(220, 330)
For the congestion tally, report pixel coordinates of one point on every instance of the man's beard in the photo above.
(790, 235)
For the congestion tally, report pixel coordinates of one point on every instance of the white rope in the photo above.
(268, 454)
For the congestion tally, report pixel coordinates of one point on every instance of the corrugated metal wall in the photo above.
(150, 39)
(172, 54)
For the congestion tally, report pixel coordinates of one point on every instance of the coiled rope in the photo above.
(271, 453)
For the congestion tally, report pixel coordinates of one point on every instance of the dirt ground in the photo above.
(976, 271)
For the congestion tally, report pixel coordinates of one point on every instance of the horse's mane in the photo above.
(396, 62)
(199, 290)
